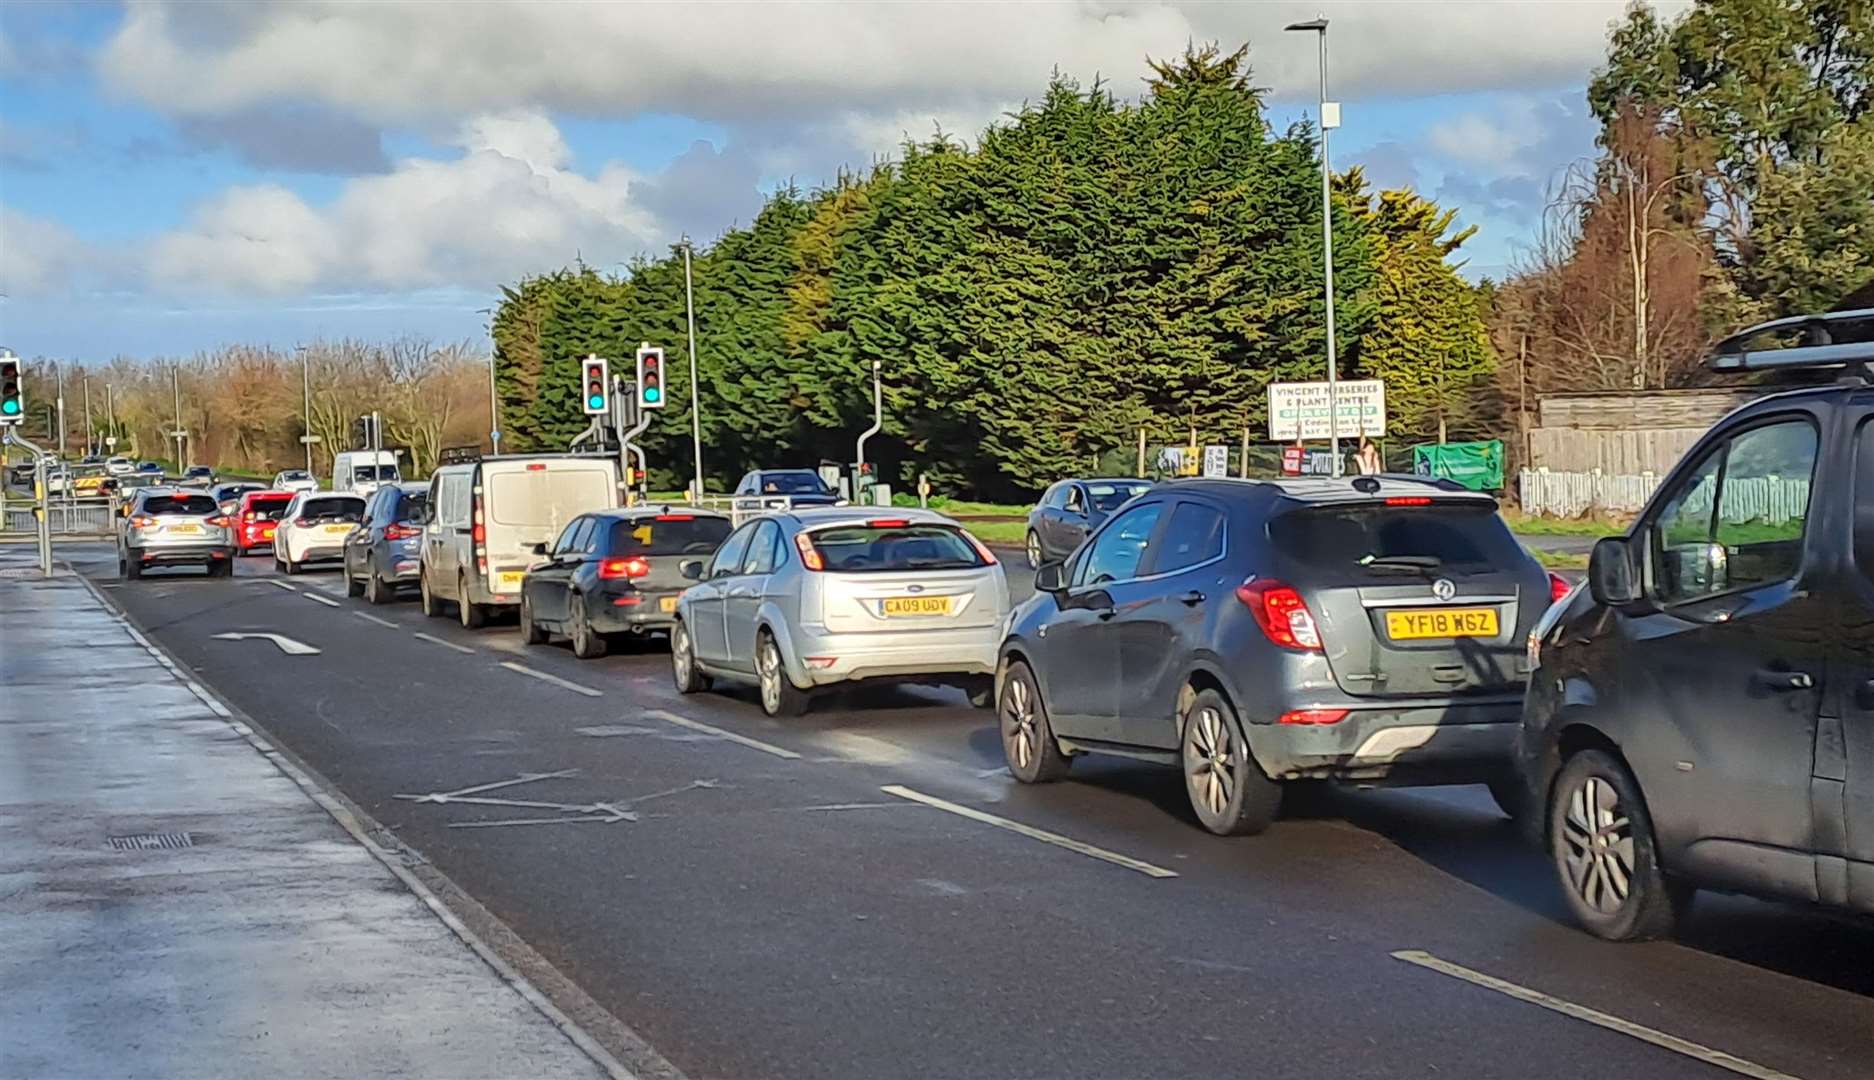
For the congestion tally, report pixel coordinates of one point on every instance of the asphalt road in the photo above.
(761, 906)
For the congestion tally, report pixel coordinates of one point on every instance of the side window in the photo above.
(1117, 551)
(1055, 497)
(430, 504)
(1076, 502)
(1193, 535)
(729, 556)
(567, 537)
(747, 486)
(763, 551)
(1737, 521)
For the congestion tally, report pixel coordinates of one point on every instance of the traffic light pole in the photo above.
(43, 511)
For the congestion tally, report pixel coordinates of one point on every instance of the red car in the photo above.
(254, 520)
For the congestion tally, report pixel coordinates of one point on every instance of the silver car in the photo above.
(173, 527)
(825, 595)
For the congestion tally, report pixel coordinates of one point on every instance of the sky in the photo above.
(176, 176)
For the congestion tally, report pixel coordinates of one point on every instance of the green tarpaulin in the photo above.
(1476, 465)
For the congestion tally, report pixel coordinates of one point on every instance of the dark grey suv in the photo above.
(381, 553)
(1259, 632)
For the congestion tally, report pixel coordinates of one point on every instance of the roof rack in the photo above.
(1819, 349)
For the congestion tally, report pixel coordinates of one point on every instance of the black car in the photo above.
(1255, 633)
(615, 572)
(1702, 714)
(382, 554)
(229, 495)
(1071, 509)
(802, 487)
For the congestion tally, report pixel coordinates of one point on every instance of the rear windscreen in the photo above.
(668, 536)
(859, 548)
(547, 498)
(1385, 540)
(191, 505)
(333, 510)
(792, 484)
(269, 509)
(411, 504)
(1107, 497)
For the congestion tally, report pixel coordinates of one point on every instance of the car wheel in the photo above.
(683, 669)
(221, 568)
(375, 591)
(467, 611)
(432, 607)
(779, 695)
(353, 587)
(1027, 737)
(587, 645)
(1227, 788)
(132, 566)
(531, 633)
(1033, 547)
(1601, 838)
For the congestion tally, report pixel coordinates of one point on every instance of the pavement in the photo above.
(864, 892)
(176, 899)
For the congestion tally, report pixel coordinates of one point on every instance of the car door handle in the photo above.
(1771, 679)
(1191, 599)
(1106, 613)
(741, 594)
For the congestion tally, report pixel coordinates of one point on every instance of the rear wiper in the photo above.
(1406, 563)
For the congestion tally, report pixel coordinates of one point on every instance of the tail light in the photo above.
(809, 555)
(1558, 588)
(248, 517)
(1312, 717)
(221, 522)
(401, 532)
(614, 569)
(142, 522)
(1409, 500)
(982, 549)
(303, 522)
(888, 523)
(675, 517)
(1282, 614)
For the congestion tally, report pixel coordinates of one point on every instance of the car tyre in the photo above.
(131, 566)
(683, 670)
(353, 586)
(1032, 546)
(375, 591)
(432, 606)
(221, 568)
(1028, 743)
(587, 644)
(779, 696)
(1228, 790)
(531, 631)
(469, 613)
(1601, 840)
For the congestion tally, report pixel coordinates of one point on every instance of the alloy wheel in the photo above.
(1020, 740)
(1210, 762)
(768, 668)
(1597, 835)
(1034, 551)
(680, 658)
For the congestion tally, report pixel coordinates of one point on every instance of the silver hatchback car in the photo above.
(175, 527)
(817, 596)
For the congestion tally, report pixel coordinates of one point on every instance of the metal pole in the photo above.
(878, 422)
(110, 408)
(61, 371)
(696, 414)
(1327, 255)
(494, 408)
(44, 509)
(175, 387)
(90, 436)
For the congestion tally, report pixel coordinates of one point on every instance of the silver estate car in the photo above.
(175, 527)
(824, 595)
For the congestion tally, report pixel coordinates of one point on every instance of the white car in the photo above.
(294, 480)
(313, 528)
(120, 466)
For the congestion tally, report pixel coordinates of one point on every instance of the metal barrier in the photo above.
(741, 508)
(76, 519)
(1772, 500)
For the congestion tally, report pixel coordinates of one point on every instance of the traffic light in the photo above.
(595, 381)
(651, 377)
(12, 390)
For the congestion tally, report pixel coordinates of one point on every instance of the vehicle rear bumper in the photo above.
(900, 654)
(1406, 742)
(182, 553)
(631, 611)
(320, 553)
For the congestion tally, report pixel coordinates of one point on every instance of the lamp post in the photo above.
(696, 415)
(1330, 118)
(305, 386)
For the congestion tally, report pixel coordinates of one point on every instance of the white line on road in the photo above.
(315, 597)
(694, 725)
(279, 584)
(287, 645)
(421, 636)
(1031, 832)
(523, 669)
(1593, 1016)
(368, 617)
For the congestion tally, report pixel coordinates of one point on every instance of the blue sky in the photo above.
(177, 176)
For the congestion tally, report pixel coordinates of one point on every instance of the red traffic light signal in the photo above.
(596, 377)
(651, 377)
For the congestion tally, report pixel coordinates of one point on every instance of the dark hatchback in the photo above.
(381, 554)
(1071, 509)
(615, 572)
(802, 487)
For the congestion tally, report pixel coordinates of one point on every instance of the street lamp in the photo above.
(696, 415)
(305, 386)
(1330, 118)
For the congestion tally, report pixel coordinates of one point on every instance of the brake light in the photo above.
(982, 549)
(1313, 716)
(536, 466)
(141, 522)
(248, 518)
(221, 522)
(1558, 588)
(1282, 614)
(401, 532)
(809, 555)
(1409, 500)
(303, 522)
(675, 517)
(613, 569)
(889, 523)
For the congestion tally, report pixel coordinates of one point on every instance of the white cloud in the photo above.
(37, 257)
(416, 62)
(506, 207)
(1492, 142)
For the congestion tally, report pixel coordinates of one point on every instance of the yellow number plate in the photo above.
(1441, 623)
(184, 529)
(337, 530)
(510, 579)
(916, 605)
(666, 603)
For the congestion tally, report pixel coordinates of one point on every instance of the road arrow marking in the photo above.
(287, 645)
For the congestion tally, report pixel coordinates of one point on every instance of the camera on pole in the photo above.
(651, 377)
(12, 389)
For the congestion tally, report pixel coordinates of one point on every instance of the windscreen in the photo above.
(792, 483)
(293, 474)
(269, 509)
(675, 534)
(373, 472)
(864, 548)
(189, 505)
(332, 509)
(1107, 497)
(1385, 541)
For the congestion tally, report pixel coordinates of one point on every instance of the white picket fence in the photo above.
(1769, 499)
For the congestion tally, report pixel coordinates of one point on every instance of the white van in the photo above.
(483, 519)
(361, 471)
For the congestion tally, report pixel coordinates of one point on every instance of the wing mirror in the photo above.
(691, 569)
(1051, 578)
(540, 549)
(1610, 573)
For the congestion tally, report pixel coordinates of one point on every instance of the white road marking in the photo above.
(523, 669)
(279, 584)
(313, 596)
(1031, 832)
(368, 617)
(287, 645)
(421, 636)
(695, 725)
(1593, 1016)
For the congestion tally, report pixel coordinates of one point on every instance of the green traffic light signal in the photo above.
(10, 406)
